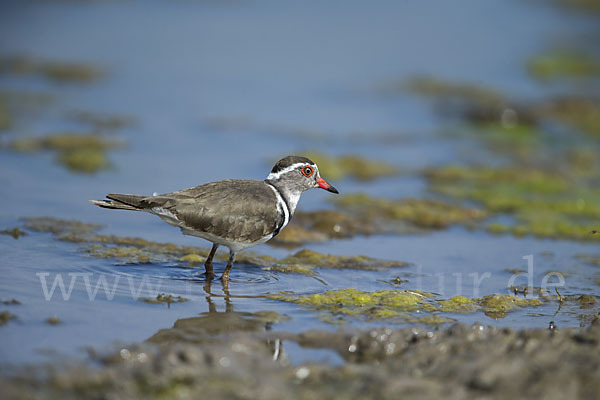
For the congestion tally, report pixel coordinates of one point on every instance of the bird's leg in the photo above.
(225, 276)
(208, 263)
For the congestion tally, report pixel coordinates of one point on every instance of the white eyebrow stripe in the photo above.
(281, 204)
(277, 175)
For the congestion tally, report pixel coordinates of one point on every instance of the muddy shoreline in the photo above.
(237, 356)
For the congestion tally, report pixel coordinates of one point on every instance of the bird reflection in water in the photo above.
(226, 326)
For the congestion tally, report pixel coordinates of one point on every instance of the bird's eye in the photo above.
(307, 171)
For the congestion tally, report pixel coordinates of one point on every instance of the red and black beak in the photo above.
(324, 185)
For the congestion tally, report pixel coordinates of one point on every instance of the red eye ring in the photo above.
(307, 171)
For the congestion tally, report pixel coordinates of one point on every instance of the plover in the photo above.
(234, 213)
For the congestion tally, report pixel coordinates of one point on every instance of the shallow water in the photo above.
(287, 79)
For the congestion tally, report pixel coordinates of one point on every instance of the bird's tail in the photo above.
(121, 202)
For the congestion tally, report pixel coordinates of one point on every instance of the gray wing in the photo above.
(237, 210)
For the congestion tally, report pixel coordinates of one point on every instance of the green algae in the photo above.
(141, 251)
(520, 140)
(525, 131)
(563, 63)
(385, 304)
(405, 305)
(458, 305)
(54, 320)
(328, 224)
(583, 301)
(14, 232)
(438, 88)
(121, 248)
(295, 235)
(62, 72)
(580, 112)
(251, 258)
(544, 204)
(58, 226)
(498, 305)
(361, 214)
(132, 250)
(421, 213)
(529, 180)
(350, 166)
(353, 302)
(162, 298)
(84, 160)
(6, 119)
(311, 258)
(125, 254)
(193, 258)
(6, 317)
(519, 129)
(586, 300)
(381, 313)
(292, 269)
(585, 6)
(83, 153)
(305, 261)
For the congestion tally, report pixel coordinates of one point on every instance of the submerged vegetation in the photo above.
(14, 232)
(5, 317)
(5, 117)
(310, 259)
(544, 204)
(162, 298)
(84, 153)
(532, 168)
(62, 72)
(353, 166)
(128, 250)
(54, 320)
(362, 214)
(404, 305)
(564, 63)
(80, 152)
(412, 213)
(586, 6)
(548, 185)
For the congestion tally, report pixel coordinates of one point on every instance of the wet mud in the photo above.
(235, 355)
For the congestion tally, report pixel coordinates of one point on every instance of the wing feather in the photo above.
(237, 210)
